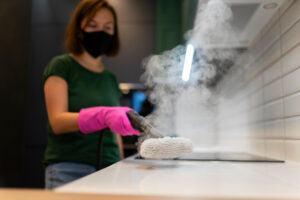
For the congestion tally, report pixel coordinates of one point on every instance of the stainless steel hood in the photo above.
(249, 18)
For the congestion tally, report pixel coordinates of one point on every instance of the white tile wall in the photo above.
(292, 128)
(274, 129)
(292, 149)
(275, 149)
(291, 104)
(254, 115)
(273, 91)
(256, 51)
(271, 36)
(272, 73)
(291, 61)
(291, 82)
(290, 16)
(265, 30)
(256, 98)
(273, 110)
(286, 5)
(256, 130)
(272, 54)
(291, 38)
(255, 84)
(254, 69)
(271, 77)
(258, 146)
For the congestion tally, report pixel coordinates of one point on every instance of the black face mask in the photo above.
(97, 43)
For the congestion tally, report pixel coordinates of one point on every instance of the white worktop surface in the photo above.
(193, 179)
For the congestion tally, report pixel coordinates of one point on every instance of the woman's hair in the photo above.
(87, 9)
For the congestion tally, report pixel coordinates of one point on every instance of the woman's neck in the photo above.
(89, 62)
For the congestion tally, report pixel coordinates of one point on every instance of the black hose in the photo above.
(99, 153)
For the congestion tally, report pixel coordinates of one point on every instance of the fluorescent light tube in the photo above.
(188, 62)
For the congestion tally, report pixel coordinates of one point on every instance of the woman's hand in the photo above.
(97, 118)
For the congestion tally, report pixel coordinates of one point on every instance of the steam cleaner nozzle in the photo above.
(153, 145)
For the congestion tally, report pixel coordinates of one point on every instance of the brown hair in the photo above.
(88, 9)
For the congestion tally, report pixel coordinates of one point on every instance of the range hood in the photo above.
(250, 16)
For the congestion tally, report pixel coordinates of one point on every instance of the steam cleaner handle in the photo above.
(136, 120)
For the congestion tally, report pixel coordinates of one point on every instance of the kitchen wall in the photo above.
(14, 44)
(47, 26)
(137, 33)
(263, 91)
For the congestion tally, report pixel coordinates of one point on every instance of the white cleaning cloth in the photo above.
(166, 147)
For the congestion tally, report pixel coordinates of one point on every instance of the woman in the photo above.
(82, 98)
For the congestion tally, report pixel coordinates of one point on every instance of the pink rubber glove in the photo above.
(98, 118)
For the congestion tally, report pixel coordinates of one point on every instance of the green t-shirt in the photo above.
(85, 89)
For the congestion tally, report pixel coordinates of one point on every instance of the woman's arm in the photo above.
(56, 96)
(90, 119)
(120, 143)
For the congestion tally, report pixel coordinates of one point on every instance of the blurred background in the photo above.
(257, 107)
(32, 32)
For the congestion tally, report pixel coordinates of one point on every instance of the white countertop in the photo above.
(193, 179)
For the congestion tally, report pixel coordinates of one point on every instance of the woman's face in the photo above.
(102, 21)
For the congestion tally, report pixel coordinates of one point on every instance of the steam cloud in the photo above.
(188, 109)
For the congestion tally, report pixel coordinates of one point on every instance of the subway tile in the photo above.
(256, 67)
(241, 107)
(291, 60)
(273, 91)
(285, 6)
(256, 98)
(257, 130)
(275, 149)
(257, 147)
(239, 97)
(271, 23)
(272, 73)
(256, 114)
(291, 82)
(274, 129)
(253, 116)
(256, 50)
(232, 133)
(292, 149)
(255, 84)
(272, 35)
(292, 128)
(272, 53)
(225, 127)
(238, 120)
(245, 59)
(255, 40)
(273, 110)
(225, 106)
(290, 16)
(234, 145)
(291, 105)
(291, 38)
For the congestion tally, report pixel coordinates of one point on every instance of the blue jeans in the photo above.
(64, 172)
